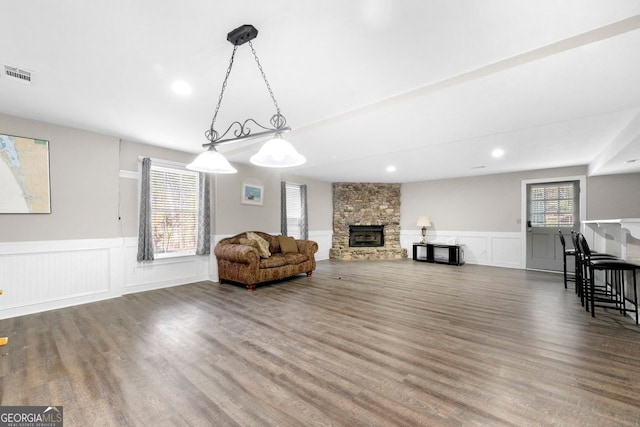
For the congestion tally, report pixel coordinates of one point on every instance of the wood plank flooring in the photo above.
(384, 343)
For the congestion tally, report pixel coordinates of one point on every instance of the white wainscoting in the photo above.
(499, 249)
(324, 238)
(40, 276)
(161, 273)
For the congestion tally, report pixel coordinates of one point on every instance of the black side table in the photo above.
(439, 253)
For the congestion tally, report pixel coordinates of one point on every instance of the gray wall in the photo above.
(493, 202)
(319, 201)
(84, 185)
(231, 216)
(613, 196)
(88, 195)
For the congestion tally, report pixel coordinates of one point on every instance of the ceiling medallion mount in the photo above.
(273, 154)
(242, 34)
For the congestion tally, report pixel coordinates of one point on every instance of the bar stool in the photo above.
(568, 277)
(584, 256)
(615, 295)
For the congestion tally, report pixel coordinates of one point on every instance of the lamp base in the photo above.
(424, 235)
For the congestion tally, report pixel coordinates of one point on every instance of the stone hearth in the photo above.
(366, 204)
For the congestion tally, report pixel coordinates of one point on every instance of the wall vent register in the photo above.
(17, 74)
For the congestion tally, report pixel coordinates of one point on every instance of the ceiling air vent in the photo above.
(17, 74)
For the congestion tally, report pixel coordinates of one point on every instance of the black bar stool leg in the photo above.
(635, 294)
(592, 291)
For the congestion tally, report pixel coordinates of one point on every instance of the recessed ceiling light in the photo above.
(181, 88)
(391, 168)
(478, 167)
(498, 152)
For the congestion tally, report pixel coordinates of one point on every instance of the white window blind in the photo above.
(294, 209)
(553, 204)
(174, 207)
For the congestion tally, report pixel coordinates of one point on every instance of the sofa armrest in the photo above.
(308, 247)
(237, 253)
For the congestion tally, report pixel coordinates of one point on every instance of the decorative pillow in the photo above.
(287, 245)
(252, 243)
(263, 244)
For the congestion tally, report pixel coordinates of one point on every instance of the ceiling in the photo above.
(430, 87)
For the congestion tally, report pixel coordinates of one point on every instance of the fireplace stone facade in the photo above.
(366, 204)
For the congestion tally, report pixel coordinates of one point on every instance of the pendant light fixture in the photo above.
(276, 152)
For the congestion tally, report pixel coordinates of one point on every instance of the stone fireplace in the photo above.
(366, 222)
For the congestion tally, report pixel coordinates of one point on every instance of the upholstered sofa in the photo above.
(241, 260)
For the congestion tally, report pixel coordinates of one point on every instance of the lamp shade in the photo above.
(277, 153)
(211, 162)
(424, 221)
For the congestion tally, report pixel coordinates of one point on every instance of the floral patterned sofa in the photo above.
(240, 259)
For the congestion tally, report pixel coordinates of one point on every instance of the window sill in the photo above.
(167, 258)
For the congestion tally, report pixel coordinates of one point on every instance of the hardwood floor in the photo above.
(359, 343)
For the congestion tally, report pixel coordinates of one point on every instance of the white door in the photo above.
(551, 207)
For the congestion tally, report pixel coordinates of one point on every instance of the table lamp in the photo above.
(424, 222)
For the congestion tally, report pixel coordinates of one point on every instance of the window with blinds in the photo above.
(553, 204)
(174, 208)
(294, 209)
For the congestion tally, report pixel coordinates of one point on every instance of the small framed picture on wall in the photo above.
(252, 194)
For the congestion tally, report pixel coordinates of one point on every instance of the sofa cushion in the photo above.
(274, 246)
(275, 260)
(263, 244)
(295, 259)
(288, 245)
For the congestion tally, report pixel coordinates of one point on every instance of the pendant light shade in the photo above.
(277, 153)
(211, 162)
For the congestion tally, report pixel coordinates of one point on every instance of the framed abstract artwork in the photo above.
(24, 175)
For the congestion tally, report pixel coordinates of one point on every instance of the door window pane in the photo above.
(553, 204)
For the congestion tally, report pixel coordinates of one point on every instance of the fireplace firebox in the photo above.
(366, 236)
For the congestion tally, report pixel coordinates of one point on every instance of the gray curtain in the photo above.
(145, 228)
(304, 222)
(283, 208)
(204, 216)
